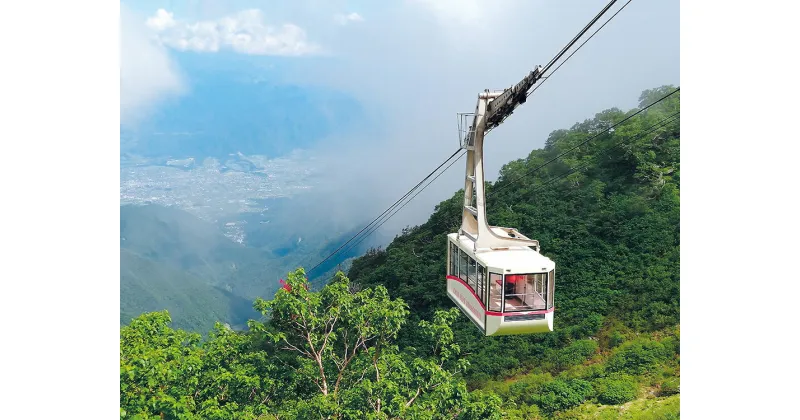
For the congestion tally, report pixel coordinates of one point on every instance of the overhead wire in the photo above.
(569, 45)
(578, 36)
(605, 131)
(576, 50)
(406, 203)
(386, 211)
(371, 227)
(662, 123)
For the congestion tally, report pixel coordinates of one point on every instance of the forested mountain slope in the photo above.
(180, 240)
(612, 226)
(387, 342)
(149, 286)
(170, 259)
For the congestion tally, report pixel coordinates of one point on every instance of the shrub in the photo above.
(672, 345)
(615, 338)
(576, 353)
(588, 326)
(670, 386)
(636, 357)
(563, 394)
(586, 372)
(526, 412)
(482, 406)
(525, 390)
(616, 389)
(479, 380)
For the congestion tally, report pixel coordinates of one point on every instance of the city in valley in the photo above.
(215, 190)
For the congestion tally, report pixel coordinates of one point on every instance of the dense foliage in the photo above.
(326, 354)
(607, 211)
(385, 341)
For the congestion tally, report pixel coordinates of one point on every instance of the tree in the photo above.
(341, 341)
(159, 367)
(330, 328)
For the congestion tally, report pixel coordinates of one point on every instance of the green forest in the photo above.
(383, 341)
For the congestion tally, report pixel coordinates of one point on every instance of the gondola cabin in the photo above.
(503, 291)
(496, 275)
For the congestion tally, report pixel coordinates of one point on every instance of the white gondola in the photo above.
(496, 275)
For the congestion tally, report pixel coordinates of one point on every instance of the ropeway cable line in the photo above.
(502, 114)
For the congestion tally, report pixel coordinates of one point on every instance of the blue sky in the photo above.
(410, 64)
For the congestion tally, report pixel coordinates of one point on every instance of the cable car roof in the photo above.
(520, 259)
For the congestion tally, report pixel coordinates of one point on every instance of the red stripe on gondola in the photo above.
(493, 313)
(468, 288)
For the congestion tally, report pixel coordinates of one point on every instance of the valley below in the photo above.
(202, 238)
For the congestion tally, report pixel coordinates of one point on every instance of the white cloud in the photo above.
(243, 32)
(147, 75)
(344, 19)
(161, 21)
(458, 11)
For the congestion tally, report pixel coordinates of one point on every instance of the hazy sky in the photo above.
(414, 64)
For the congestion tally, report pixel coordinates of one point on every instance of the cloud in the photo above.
(414, 64)
(161, 21)
(344, 19)
(457, 11)
(244, 32)
(147, 74)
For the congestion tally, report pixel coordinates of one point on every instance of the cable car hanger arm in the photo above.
(491, 109)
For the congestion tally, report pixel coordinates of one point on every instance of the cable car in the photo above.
(496, 275)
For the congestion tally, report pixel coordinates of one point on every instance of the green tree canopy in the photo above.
(317, 354)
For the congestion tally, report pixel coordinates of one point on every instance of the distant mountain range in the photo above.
(223, 114)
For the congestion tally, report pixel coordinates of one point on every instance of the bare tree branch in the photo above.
(411, 401)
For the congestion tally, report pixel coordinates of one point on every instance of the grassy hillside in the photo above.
(633, 376)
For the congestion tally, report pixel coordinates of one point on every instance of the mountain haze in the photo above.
(170, 259)
(148, 286)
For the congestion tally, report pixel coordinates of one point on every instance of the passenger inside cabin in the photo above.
(511, 283)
